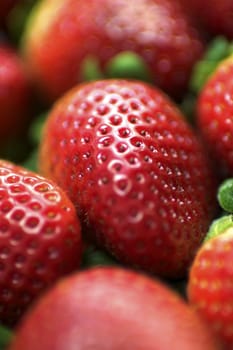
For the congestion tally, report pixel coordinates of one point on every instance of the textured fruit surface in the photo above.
(135, 171)
(210, 287)
(15, 94)
(214, 116)
(111, 309)
(39, 238)
(158, 31)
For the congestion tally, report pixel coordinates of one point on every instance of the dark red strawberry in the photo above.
(214, 115)
(135, 171)
(112, 309)
(215, 16)
(39, 238)
(15, 94)
(82, 38)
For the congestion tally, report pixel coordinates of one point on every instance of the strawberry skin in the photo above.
(215, 16)
(111, 309)
(135, 171)
(158, 30)
(15, 93)
(210, 288)
(39, 238)
(214, 116)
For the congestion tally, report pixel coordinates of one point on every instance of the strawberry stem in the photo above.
(225, 195)
(218, 50)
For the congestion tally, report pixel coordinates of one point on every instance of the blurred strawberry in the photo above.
(214, 115)
(15, 94)
(135, 171)
(39, 238)
(111, 309)
(214, 15)
(210, 288)
(81, 39)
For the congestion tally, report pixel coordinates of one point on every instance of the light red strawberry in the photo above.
(111, 309)
(135, 171)
(210, 286)
(80, 36)
(39, 238)
(214, 115)
(15, 94)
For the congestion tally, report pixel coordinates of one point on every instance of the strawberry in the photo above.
(135, 171)
(114, 309)
(82, 39)
(39, 238)
(15, 93)
(210, 288)
(214, 15)
(214, 115)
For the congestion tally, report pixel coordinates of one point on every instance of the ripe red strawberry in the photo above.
(114, 309)
(214, 115)
(210, 288)
(78, 34)
(135, 171)
(15, 93)
(39, 238)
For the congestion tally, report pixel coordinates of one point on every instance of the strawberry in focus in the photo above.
(39, 238)
(90, 34)
(134, 170)
(15, 94)
(111, 309)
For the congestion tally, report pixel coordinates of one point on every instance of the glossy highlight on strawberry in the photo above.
(135, 171)
(40, 238)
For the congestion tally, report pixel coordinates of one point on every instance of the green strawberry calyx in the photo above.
(220, 226)
(126, 64)
(218, 49)
(225, 195)
(5, 337)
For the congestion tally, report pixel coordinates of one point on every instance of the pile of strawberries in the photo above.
(116, 175)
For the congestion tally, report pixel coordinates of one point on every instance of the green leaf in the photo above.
(219, 226)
